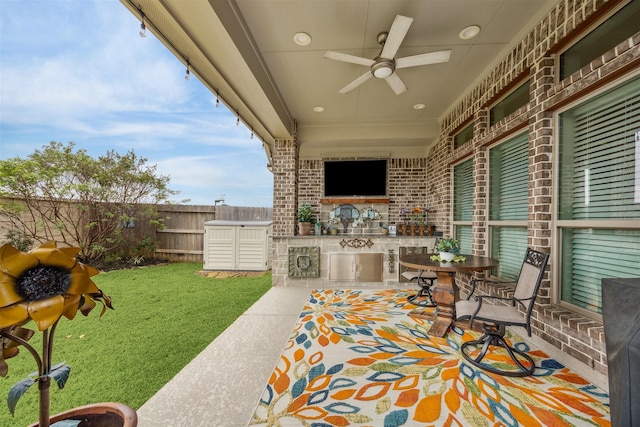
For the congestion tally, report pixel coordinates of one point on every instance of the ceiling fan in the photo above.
(384, 66)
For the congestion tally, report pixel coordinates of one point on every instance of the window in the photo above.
(464, 136)
(509, 104)
(599, 194)
(508, 204)
(463, 204)
(610, 33)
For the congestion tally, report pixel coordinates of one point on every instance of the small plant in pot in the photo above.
(42, 286)
(448, 248)
(305, 217)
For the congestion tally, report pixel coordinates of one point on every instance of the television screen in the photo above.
(355, 178)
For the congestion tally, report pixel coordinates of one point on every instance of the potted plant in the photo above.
(305, 218)
(448, 248)
(42, 286)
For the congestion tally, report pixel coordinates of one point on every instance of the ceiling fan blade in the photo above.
(396, 34)
(396, 84)
(423, 59)
(357, 82)
(348, 58)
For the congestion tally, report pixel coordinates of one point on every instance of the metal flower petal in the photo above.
(13, 262)
(71, 305)
(80, 280)
(46, 312)
(15, 314)
(45, 284)
(50, 255)
(8, 294)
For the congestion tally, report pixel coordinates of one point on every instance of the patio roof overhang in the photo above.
(243, 51)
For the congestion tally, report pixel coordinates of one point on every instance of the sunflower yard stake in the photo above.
(41, 286)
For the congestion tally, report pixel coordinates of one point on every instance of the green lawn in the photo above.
(164, 316)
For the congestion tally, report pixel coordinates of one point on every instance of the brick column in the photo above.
(285, 187)
(480, 194)
(480, 181)
(540, 159)
(540, 215)
(438, 173)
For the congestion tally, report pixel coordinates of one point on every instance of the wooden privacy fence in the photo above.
(183, 236)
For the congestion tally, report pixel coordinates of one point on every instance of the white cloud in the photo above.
(238, 177)
(83, 74)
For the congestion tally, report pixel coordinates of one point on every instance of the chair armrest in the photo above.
(474, 283)
(513, 300)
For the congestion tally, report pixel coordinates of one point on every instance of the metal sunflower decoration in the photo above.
(41, 286)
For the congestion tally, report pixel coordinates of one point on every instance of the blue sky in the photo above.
(79, 71)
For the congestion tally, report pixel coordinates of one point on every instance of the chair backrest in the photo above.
(530, 277)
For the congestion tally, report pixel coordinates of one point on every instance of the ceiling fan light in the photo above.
(469, 32)
(382, 69)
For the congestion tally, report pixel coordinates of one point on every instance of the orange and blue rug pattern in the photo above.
(356, 358)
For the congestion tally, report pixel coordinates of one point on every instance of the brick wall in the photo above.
(311, 184)
(285, 179)
(407, 186)
(427, 182)
(533, 58)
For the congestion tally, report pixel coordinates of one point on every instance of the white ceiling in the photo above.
(244, 50)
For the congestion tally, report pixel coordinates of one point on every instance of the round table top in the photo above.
(472, 263)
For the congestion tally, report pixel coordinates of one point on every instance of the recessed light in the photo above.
(419, 106)
(318, 109)
(302, 39)
(469, 32)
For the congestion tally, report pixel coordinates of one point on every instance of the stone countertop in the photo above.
(353, 236)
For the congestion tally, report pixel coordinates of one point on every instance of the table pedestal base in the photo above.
(445, 292)
(444, 295)
(436, 328)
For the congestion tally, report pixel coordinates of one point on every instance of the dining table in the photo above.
(445, 293)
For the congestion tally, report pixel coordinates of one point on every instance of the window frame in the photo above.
(558, 225)
(588, 30)
(465, 127)
(504, 97)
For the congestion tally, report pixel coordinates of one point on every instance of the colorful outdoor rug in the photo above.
(355, 358)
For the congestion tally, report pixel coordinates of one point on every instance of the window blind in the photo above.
(463, 191)
(509, 180)
(463, 233)
(599, 168)
(509, 201)
(508, 245)
(598, 157)
(592, 254)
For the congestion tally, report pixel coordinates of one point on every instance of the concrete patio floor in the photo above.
(222, 385)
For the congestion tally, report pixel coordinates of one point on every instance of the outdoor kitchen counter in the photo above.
(322, 248)
(368, 235)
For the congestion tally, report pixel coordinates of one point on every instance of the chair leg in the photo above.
(423, 298)
(494, 336)
(474, 283)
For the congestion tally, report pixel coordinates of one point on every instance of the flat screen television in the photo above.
(355, 178)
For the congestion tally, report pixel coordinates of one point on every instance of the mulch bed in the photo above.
(228, 274)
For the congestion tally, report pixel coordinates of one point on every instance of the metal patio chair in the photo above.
(425, 280)
(497, 317)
